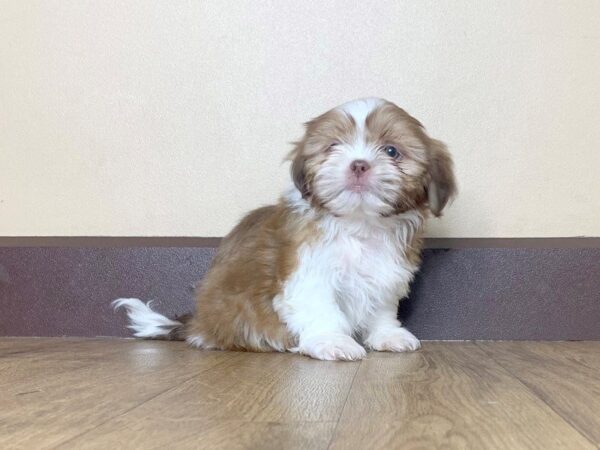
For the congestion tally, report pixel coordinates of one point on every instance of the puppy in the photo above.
(322, 271)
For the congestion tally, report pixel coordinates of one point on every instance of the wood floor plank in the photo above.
(30, 360)
(585, 353)
(13, 346)
(449, 395)
(566, 375)
(195, 433)
(290, 392)
(72, 390)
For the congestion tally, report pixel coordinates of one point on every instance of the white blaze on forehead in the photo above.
(359, 109)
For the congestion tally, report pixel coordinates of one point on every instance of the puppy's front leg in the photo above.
(385, 333)
(310, 311)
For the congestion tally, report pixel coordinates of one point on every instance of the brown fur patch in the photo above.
(309, 153)
(413, 251)
(389, 124)
(235, 301)
(442, 184)
(426, 164)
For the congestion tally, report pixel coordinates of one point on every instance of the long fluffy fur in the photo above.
(322, 271)
(145, 322)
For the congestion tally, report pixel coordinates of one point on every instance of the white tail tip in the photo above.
(145, 322)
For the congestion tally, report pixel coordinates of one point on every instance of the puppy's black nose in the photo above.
(359, 166)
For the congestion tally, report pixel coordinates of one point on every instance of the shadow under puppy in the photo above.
(322, 271)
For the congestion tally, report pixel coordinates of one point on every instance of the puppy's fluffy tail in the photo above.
(149, 324)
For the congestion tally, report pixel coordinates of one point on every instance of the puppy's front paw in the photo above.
(332, 347)
(393, 340)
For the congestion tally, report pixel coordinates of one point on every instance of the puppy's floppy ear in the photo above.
(441, 186)
(297, 169)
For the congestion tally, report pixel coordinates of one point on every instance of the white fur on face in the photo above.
(360, 108)
(334, 182)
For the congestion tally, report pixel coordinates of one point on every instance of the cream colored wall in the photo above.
(172, 118)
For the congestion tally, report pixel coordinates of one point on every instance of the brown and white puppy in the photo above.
(322, 271)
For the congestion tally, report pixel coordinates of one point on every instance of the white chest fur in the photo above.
(355, 266)
(368, 264)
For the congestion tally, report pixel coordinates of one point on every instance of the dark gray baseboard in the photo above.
(469, 289)
(186, 241)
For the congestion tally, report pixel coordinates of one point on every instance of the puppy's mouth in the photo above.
(358, 187)
(358, 184)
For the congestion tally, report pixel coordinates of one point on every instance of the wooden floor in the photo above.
(111, 394)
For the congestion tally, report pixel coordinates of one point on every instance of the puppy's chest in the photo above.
(367, 268)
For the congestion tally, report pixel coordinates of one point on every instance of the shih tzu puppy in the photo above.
(322, 271)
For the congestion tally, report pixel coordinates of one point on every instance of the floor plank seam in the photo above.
(72, 438)
(566, 419)
(337, 424)
(526, 385)
(21, 352)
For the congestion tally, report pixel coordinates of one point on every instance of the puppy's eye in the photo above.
(391, 151)
(332, 146)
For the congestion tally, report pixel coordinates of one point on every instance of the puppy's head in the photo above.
(372, 158)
